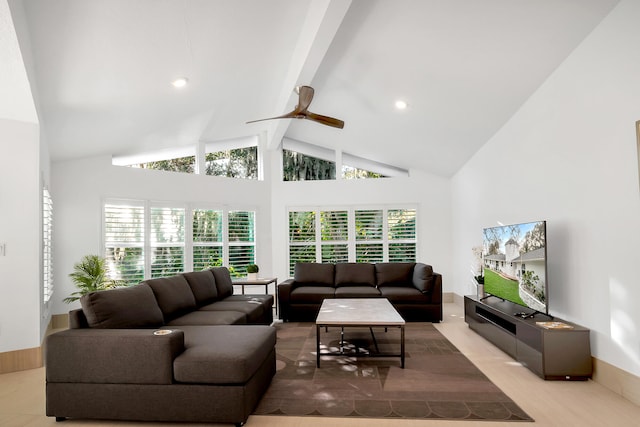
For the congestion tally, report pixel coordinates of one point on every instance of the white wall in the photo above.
(430, 193)
(20, 235)
(569, 157)
(79, 188)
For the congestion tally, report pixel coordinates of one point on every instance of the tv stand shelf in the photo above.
(552, 354)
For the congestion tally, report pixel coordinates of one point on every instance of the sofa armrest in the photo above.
(284, 298)
(112, 356)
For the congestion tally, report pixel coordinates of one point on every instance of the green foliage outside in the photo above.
(300, 167)
(182, 164)
(90, 275)
(495, 284)
(234, 163)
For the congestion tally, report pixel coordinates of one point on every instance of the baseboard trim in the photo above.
(617, 380)
(20, 360)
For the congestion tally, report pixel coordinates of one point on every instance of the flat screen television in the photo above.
(514, 260)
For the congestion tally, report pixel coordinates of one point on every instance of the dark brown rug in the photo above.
(438, 381)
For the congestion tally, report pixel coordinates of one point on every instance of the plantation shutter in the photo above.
(369, 235)
(241, 235)
(207, 239)
(47, 234)
(124, 241)
(302, 237)
(401, 225)
(334, 232)
(167, 241)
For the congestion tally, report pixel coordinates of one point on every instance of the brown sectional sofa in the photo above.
(182, 348)
(414, 289)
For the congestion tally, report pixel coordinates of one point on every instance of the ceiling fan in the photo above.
(305, 95)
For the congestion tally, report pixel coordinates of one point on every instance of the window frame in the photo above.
(188, 243)
(352, 240)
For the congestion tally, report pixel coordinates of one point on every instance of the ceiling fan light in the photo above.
(180, 82)
(401, 105)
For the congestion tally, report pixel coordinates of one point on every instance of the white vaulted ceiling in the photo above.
(101, 71)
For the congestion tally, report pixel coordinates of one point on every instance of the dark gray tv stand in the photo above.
(552, 354)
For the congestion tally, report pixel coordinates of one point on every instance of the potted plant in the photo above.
(89, 275)
(252, 271)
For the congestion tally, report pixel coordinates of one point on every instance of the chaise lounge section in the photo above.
(414, 289)
(182, 348)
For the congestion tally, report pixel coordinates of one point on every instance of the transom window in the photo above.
(352, 235)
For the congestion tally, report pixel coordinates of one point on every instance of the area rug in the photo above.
(438, 381)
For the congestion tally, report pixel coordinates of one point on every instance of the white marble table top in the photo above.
(358, 311)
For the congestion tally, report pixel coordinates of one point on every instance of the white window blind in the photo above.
(369, 235)
(207, 239)
(302, 238)
(47, 239)
(124, 241)
(242, 245)
(334, 235)
(402, 235)
(167, 241)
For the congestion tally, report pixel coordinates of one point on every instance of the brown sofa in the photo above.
(414, 289)
(182, 348)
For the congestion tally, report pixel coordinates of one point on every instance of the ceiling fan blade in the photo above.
(291, 115)
(325, 120)
(305, 95)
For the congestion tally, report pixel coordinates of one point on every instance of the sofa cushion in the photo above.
(311, 294)
(173, 294)
(203, 286)
(201, 317)
(313, 274)
(223, 281)
(351, 273)
(404, 295)
(423, 277)
(357, 292)
(394, 273)
(253, 309)
(129, 307)
(223, 354)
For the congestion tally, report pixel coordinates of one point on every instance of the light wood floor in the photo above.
(550, 403)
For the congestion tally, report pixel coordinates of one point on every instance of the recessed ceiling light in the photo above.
(401, 105)
(180, 82)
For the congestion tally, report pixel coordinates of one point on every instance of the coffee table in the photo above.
(358, 312)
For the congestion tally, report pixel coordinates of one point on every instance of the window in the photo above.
(124, 225)
(233, 163)
(47, 237)
(301, 167)
(181, 164)
(242, 247)
(207, 239)
(352, 235)
(147, 240)
(167, 241)
(349, 172)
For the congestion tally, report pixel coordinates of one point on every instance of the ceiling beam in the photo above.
(320, 27)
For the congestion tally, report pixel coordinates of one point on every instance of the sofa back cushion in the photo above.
(394, 273)
(203, 286)
(355, 274)
(423, 277)
(129, 307)
(173, 294)
(223, 281)
(313, 274)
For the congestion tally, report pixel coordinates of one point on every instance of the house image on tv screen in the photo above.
(514, 260)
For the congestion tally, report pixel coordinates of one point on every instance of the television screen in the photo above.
(515, 264)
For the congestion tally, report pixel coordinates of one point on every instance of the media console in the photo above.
(552, 354)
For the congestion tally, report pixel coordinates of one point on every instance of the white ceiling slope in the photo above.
(102, 71)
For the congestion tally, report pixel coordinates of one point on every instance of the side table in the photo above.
(266, 281)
